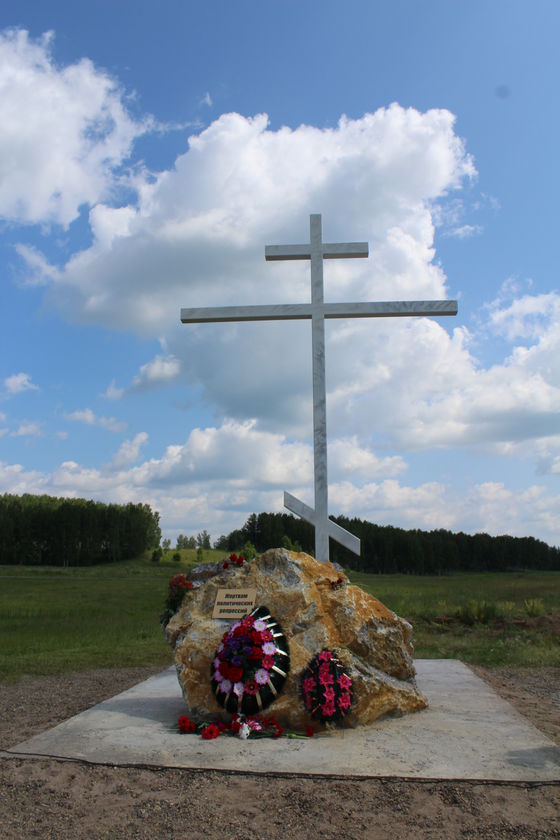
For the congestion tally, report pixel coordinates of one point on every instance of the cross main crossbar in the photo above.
(329, 251)
(304, 311)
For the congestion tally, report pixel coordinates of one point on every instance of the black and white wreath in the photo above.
(251, 664)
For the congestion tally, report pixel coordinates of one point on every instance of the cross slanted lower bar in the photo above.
(316, 311)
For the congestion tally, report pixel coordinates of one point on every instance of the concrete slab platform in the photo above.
(468, 732)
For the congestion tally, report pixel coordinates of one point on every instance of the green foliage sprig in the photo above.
(477, 612)
(533, 607)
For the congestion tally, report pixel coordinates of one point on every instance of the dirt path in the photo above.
(63, 800)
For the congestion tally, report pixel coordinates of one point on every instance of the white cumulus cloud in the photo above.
(88, 417)
(39, 271)
(527, 317)
(198, 231)
(28, 429)
(129, 451)
(112, 392)
(158, 371)
(464, 231)
(194, 238)
(203, 497)
(18, 383)
(63, 131)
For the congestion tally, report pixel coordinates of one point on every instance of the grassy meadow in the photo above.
(484, 618)
(55, 619)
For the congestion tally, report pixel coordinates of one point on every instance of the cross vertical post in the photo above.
(319, 391)
(316, 252)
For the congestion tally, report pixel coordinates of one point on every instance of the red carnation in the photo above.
(277, 731)
(234, 673)
(209, 732)
(186, 725)
(223, 668)
(309, 731)
(226, 564)
(251, 687)
(256, 653)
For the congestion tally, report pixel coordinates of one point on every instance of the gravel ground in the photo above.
(63, 800)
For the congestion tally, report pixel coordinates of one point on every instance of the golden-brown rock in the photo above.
(315, 612)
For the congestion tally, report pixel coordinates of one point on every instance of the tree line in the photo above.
(389, 550)
(50, 531)
(202, 540)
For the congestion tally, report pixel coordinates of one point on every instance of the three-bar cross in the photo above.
(316, 311)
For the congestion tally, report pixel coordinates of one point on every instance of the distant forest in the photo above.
(388, 550)
(47, 531)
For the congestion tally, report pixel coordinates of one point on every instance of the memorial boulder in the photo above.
(307, 621)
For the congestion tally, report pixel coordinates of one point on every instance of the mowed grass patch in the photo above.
(54, 619)
(515, 635)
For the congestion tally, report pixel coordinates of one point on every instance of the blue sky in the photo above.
(148, 153)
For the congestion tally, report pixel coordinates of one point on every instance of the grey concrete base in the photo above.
(468, 732)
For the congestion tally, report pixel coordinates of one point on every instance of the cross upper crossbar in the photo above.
(329, 251)
(317, 311)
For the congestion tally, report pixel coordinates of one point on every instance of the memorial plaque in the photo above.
(234, 603)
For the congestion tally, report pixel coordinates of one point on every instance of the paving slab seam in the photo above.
(278, 774)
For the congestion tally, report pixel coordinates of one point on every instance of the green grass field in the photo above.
(55, 619)
(524, 631)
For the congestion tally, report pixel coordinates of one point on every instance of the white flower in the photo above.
(244, 731)
(225, 686)
(260, 625)
(262, 676)
(216, 662)
(238, 689)
(218, 677)
(269, 648)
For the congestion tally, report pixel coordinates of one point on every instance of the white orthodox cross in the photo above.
(316, 311)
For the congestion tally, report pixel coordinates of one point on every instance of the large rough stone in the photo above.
(373, 643)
